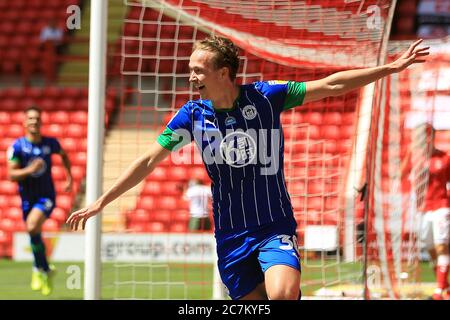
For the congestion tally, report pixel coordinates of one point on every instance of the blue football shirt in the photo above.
(242, 149)
(39, 184)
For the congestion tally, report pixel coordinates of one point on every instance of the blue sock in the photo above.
(38, 248)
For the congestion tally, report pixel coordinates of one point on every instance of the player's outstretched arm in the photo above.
(66, 163)
(135, 173)
(342, 82)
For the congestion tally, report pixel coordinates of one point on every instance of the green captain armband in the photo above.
(295, 95)
(170, 140)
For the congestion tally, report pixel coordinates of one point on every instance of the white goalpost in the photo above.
(96, 128)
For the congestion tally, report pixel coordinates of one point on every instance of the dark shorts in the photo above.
(199, 223)
(244, 257)
(46, 205)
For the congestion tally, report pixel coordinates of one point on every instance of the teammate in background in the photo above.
(434, 206)
(29, 163)
(236, 128)
(198, 196)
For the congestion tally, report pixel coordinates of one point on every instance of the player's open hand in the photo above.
(82, 216)
(414, 54)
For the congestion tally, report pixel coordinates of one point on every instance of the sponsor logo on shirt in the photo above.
(238, 149)
(229, 121)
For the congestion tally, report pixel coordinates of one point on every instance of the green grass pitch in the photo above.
(158, 281)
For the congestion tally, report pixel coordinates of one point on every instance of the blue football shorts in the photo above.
(46, 205)
(244, 257)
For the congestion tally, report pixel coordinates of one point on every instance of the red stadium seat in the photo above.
(315, 203)
(32, 92)
(331, 132)
(347, 131)
(5, 143)
(58, 173)
(332, 118)
(161, 216)
(66, 103)
(159, 174)
(7, 225)
(331, 203)
(146, 202)
(167, 202)
(315, 187)
(313, 118)
(47, 104)
(15, 131)
(181, 216)
(5, 118)
(82, 145)
(71, 93)
(137, 227)
(8, 187)
(60, 215)
(69, 144)
(64, 202)
(82, 104)
(331, 146)
(15, 201)
(60, 117)
(199, 173)
(156, 227)
(139, 216)
(79, 117)
(78, 172)
(17, 117)
(51, 92)
(152, 188)
(76, 131)
(180, 227)
(14, 213)
(348, 118)
(78, 158)
(4, 201)
(9, 104)
(20, 226)
(54, 130)
(5, 238)
(50, 225)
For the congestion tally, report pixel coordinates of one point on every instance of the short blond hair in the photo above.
(227, 53)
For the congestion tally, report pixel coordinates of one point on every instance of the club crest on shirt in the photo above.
(46, 150)
(249, 112)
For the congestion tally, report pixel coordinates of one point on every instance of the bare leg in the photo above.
(259, 293)
(282, 283)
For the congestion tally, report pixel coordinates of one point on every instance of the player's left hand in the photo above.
(414, 54)
(82, 216)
